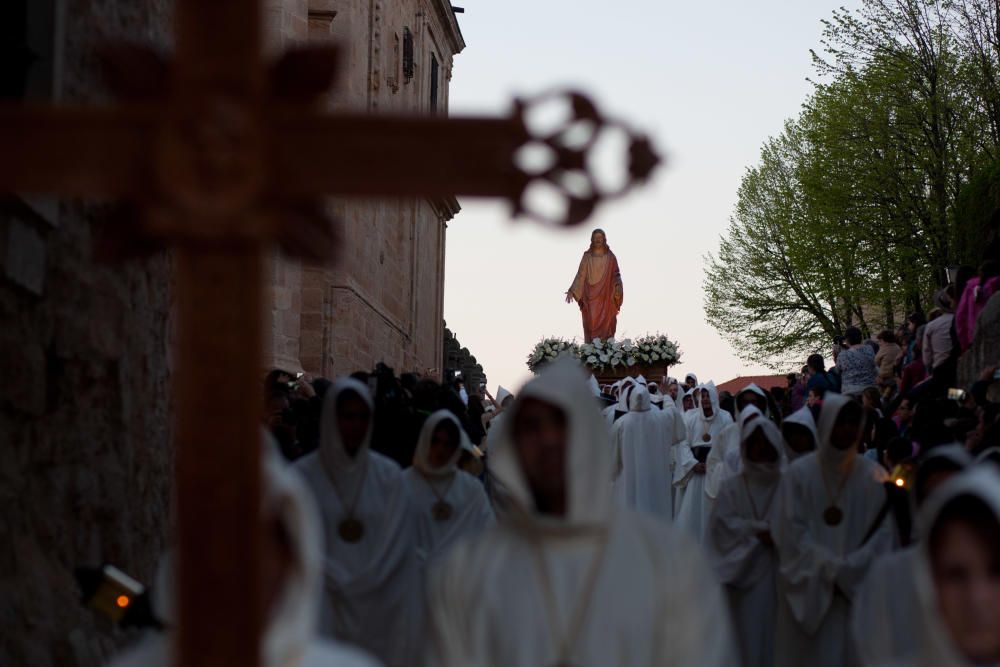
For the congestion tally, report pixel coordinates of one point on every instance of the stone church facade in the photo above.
(383, 301)
(86, 460)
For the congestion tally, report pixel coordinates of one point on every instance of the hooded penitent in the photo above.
(290, 633)
(882, 620)
(827, 536)
(694, 504)
(447, 503)
(803, 417)
(934, 644)
(372, 587)
(743, 558)
(725, 460)
(643, 594)
(643, 451)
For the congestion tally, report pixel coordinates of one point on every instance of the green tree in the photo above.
(852, 214)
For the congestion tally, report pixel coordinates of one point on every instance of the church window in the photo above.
(407, 55)
(435, 74)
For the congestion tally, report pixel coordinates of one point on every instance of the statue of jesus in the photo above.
(598, 290)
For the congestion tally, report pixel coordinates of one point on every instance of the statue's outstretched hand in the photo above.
(569, 297)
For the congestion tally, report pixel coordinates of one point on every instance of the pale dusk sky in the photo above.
(708, 81)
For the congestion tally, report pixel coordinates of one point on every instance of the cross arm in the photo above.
(76, 152)
(392, 156)
(372, 156)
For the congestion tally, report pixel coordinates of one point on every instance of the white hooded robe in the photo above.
(654, 600)
(747, 506)
(882, 621)
(933, 645)
(695, 505)
(371, 587)
(803, 417)
(471, 510)
(643, 452)
(725, 459)
(822, 566)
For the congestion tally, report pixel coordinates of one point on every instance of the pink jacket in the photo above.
(973, 300)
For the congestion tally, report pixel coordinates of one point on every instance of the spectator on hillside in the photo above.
(939, 343)
(888, 354)
(977, 292)
(819, 379)
(856, 364)
(904, 417)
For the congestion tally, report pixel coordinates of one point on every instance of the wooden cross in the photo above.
(223, 156)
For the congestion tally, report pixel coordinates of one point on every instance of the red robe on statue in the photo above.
(598, 290)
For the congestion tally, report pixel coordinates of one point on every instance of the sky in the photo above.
(709, 82)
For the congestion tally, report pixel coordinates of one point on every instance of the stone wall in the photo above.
(84, 403)
(383, 299)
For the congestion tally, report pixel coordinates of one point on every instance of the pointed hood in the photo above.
(682, 396)
(502, 395)
(830, 456)
(420, 456)
(754, 389)
(589, 454)
(640, 401)
(595, 387)
(802, 417)
(936, 645)
(748, 414)
(713, 395)
(641, 380)
(627, 387)
(691, 376)
(758, 470)
(343, 469)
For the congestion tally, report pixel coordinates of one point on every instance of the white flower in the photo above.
(630, 361)
(591, 359)
(605, 357)
(656, 356)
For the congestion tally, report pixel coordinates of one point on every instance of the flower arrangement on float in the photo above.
(604, 356)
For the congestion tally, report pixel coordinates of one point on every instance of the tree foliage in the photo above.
(851, 215)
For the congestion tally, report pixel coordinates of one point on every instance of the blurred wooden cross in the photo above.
(221, 156)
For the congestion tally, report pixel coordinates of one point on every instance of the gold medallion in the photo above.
(351, 530)
(441, 511)
(706, 437)
(833, 515)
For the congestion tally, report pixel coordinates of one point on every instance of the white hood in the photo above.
(753, 388)
(803, 417)
(831, 457)
(759, 470)
(502, 395)
(640, 400)
(713, 395)
(346, 471)
(937, 649)
(420, 456)
(589, 456)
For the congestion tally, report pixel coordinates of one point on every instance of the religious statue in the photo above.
(598, 290)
